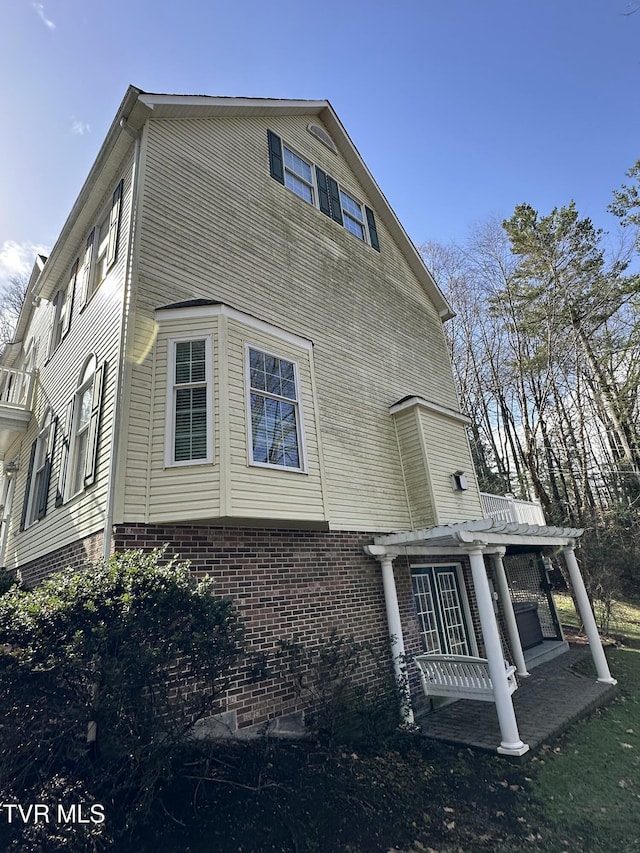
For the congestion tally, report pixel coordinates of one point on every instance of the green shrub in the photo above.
(103, 673)
(348, 687)
(6, 581)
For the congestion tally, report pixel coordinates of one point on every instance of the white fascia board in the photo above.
(411, 402)
(226, 104)
(196, 312)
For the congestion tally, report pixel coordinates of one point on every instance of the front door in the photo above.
(441, 611)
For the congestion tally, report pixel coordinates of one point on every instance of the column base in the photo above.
(612, 681)
(513, 748)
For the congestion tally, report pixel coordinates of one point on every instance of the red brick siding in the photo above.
(286, 584)
(76, 555)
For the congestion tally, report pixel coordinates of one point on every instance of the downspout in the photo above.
(124, 330)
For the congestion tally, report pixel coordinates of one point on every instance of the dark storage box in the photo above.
(528, 623)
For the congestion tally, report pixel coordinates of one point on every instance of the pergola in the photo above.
(477, 539)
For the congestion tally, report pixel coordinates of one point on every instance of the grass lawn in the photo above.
(580, 794)
(623, 624)
(587, 786)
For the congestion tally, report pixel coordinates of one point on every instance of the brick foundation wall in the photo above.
(286, 584)
(76, 555)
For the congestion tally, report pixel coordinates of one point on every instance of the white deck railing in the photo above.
(16, 388)
(508, 508)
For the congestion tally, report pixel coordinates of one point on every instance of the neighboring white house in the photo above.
(234, 348)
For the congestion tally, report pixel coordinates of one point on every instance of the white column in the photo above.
(511, 743)
(394, 625)
(587, 617)
(509, 615)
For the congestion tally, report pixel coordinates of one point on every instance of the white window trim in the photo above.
(362, 222)
(93, 284)
(464, 599)
(302, 455)
(56, 334)
(312, 185)
(90, 284)
(72, 461)
(170, 424)
(42, 440)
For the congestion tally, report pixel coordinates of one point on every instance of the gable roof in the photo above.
(138, 106)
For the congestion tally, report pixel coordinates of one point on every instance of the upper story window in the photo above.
(189, 434)
(79, 458)
(37, 488)
(101, 248)
(317, 187)
(63, 306)
(275, 426)
(352, 215)
(298, 175)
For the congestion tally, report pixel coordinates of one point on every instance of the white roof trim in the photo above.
(268, 104)
(410, 402)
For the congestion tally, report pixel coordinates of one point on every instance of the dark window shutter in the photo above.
(334, 199)
(323, 192)
(64, 456)
(53, 342)
(86, 266)
(276, 165)
(94, 427)
(373, 231)
(114, 224)
(70, 295)
(25, 505)
(43, 497)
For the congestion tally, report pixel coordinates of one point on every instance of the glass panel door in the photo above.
(440, 610)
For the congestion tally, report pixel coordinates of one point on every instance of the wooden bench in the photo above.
(460, 676)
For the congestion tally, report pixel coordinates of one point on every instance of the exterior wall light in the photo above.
(459, 481)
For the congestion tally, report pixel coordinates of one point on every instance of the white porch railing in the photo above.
(508, 508)
(16, 388)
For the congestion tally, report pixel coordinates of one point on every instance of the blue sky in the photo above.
(461, 108)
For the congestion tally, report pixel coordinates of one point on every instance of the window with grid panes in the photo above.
(439, 605)
(298, 176)
(274, 411)
(190, 401)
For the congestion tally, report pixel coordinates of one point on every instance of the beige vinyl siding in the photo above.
(215, 225)
(229, 487)
(94, 329)
(448, 451)
(196, 486)
(415, 467)
(257, 492)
